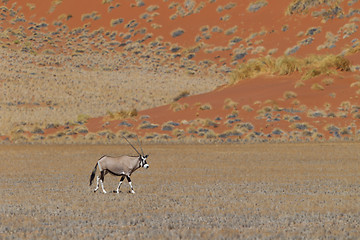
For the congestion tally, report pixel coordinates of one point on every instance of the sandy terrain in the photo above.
(218, 191)
(91, 72)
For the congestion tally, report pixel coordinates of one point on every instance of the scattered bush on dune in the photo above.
(257, 5)
(317, 86)
(181, 95)
(303, 6)
(327, 81)
(311, 66)
(247, 108)
(289, 95)
(206, 106)
(177, 32)
(230, 104)
(115, 22)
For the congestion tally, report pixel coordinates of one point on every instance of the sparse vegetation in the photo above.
(230, 104)
(317, 86)
(257, 5)
(289, 95)
(297, 169)
(311, 66)
(206, 106)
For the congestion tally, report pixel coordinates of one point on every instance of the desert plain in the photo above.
(249, 110)
(260, 191)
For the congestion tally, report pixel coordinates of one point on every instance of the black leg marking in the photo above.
(118, 188)
(129, 180)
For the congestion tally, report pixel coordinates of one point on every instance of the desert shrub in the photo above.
(83, 118)
(345, 105)
(191, 130)
(327, 81)
(115, 22)
(177, 32)
(231, 30)
(19, 138)
(345, 131)
(355, 84)
(277, 131)
(233, 114)
(147, 125)
(167, 127)
(178, 133)
(331, 128)
(302, 6)
(320, 65)
(210, 134)
(289, 94)
(301, 126)
(317, 86)
(264, 110)
(244, 126)
(183, 94)
(247, 108)
(226, 17)
(152, 8)
(228, 104)
(311, 66)
(37, 130)
(257, 5)
(210, 123)
(206, 106)
(252, 68)
(175, 106)
(81, 129)
(316, 113)
(356, 116)
(230, 5)
(286, 65)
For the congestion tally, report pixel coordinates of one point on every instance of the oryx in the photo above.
(122, 166)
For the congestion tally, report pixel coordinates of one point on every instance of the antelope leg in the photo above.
(129, 180)
(102, 181)
(97, 183)
(121, 180)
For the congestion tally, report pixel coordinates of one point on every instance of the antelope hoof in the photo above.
(132, 191)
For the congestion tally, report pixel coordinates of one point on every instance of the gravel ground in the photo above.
(267, 191)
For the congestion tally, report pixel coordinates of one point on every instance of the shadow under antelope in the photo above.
(122, 166)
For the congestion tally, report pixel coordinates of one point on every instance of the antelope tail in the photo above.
(93, 174)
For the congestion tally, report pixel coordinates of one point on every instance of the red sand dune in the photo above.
(227, 33)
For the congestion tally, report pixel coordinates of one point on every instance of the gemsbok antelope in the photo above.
(122, 166)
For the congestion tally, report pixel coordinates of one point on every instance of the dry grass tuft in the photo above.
(311, 66)
(327, 81)
(317, 86)
(181, 95)
(230, 104)
(289, 95)
(247, 108)
(206, 106)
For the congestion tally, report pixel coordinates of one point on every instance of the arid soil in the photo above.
(91, 72)
(194, 192)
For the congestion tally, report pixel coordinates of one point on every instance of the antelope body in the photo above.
(122, 166)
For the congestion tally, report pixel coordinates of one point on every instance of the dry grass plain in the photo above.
(190, 191)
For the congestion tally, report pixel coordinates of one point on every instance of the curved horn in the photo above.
(131, 145)
(140, 145)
